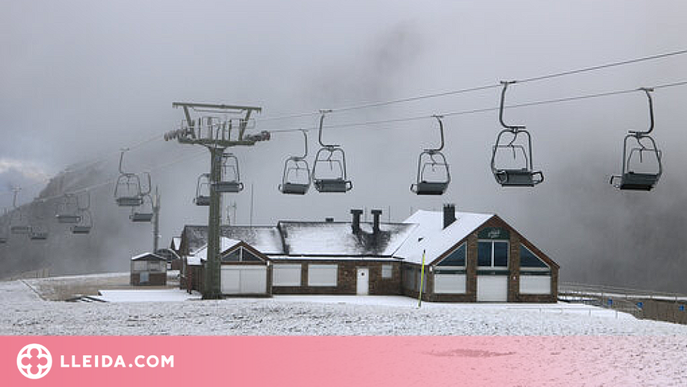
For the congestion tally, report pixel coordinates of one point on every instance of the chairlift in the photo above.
(203, 190)
(296, 178)
(433, 176)
(230, 181)
(23, 228)
(85, 218)
(144, 212)
(334, 157)
(127, 191)
(521, 172)
(67, 208)
(631, 178)
(39, 228)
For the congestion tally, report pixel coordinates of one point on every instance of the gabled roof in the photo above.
(176, 243)
(338, 239)
(265, 239)
(148, 257)
(430, 235)
(225, 244)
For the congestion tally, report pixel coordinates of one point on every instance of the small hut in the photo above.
(148, 269)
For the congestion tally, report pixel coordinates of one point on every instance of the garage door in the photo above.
(492, 288)
(244, 279)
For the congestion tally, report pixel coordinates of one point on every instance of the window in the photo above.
(449, 283)
(455, 259)
(140, 266)
(240, 255)
(492, 254)
(387, 271)
(322, 275)
(529, 262)
(286, 275)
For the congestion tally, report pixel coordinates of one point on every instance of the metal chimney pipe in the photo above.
(375, 225)
(355, 226)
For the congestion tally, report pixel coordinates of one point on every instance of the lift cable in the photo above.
(484, 87)
(114, 179)
(484, 110)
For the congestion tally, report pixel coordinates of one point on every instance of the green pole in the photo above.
(422, 280)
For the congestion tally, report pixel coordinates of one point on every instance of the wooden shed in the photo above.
(148, 269)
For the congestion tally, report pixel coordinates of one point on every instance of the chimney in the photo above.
(449, 214)
(329, 220)
(375, 225)
(355, 226)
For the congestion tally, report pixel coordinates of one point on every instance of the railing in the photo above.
(664, 305)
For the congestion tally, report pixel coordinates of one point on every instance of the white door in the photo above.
(244, 279)
(363, 283)
(492, 288)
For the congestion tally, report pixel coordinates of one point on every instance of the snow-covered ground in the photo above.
(169, 312)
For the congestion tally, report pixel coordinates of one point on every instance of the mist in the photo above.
(80, 80)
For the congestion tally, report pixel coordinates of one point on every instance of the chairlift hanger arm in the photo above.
(441, 131)
(322, 114)
(503, 99)
(647, 91)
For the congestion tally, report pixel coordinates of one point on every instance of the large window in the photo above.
(456, 259)
(530, 262)
(492, 254)
(286, 275)
(240, 255)
(322, 275)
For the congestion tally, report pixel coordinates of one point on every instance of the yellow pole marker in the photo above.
(422, 280)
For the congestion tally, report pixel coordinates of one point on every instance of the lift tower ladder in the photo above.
(216, 136)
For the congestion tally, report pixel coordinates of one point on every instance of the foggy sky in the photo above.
(82, 79)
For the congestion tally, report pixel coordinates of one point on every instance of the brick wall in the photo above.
(347, 278)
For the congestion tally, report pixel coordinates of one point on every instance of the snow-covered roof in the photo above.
(430, 235)
(225, 243)
(265, 239)
(147, 255)
(330, 238)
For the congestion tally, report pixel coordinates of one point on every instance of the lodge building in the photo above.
(468, 257)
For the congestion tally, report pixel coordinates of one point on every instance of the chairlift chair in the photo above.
(630, 178)
(524, 175)
(296, 178)
(23, 228)
(85, 222)
(203, 190)
(335, 158)
(427, 183)
(66, 209)
(231, 179)
(143, 213)
(127, 191)
(39, 229)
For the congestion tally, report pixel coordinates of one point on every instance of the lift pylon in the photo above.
(216, 134)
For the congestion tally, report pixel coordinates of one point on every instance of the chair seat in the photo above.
(332, 185)
(202, 200)
(228, 186)
(141, 217)
(638, 181)
(430, 188)
(68, 218)
(515, 178)
(81, 229)
(295, 189)
(129, 201)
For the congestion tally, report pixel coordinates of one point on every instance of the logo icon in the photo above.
(34, 361)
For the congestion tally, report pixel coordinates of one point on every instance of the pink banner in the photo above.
(343, 361)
